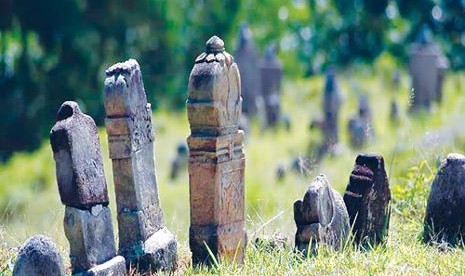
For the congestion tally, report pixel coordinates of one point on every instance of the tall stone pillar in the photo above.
(216, 158)
(83, 189)
(143, 239)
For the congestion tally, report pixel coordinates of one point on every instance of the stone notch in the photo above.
(444, 220)
(83, 189)
(271, 72)
(248, 59)
(78, 157)
(39, 256)
(321, 218)
(216, 159)
(367, 200)
(142, 238)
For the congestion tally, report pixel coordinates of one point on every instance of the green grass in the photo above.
(30, 204)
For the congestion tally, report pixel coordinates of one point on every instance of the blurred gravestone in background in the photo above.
(247, 59)
(331, 106)
(427, 68)
(360, 126)
(271, 73)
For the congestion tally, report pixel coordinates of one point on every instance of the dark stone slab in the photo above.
(444, 219)
(39, 256)
(78, 156)
(367, 200)
(321, 217)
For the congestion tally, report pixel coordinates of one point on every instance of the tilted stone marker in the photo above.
(247, 60)
(271, 76)
(216, 158)
(367, 200)
(83, 190)
(143, 239)
(444, 219)
(331, 106)
(321, 217)
(39, 256)
(427, 70)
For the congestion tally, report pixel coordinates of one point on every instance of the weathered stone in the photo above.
(320, 218)
(78, 157)
(367, 200)
(444, 219)
(113, 267)
(247, 60)
(161, 251)
(90, 236)
(427, 71)
(271, 75)
(331, 106)
(39, 256)
(130, 137)
(216, 158)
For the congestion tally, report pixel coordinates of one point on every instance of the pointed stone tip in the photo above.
(67, 109)
(215, 45)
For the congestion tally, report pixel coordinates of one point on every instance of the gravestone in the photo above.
(39, 256)
(331, 106)
(360, 126)
(247, 60)
(180, 161)
(394, 111)
(442, 65)
(321, 217)
(271, 76)
(143, 239)
(367, 200)
(83, 190)
(444, 219)
(216, 158)
(427, 75)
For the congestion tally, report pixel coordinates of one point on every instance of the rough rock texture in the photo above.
(216, 158)
(321, 217)
(247, 60)
(78, 157)
(39, 256)
(130, 138)
(444, 219)
(367, 200)
(113, 267)
(90, 236)
(271, 76)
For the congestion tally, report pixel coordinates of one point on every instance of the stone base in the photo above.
(114, 267)
(160, 252)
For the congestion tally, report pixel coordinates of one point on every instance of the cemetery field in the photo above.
(412, 149)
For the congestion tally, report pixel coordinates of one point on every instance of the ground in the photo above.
(412, 149)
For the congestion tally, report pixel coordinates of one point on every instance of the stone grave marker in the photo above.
(321, 217)
(180, 161)
(39, 256)
(331, 106)
(367, 200)
(83, 190)
(247, 60)
(271, 76)
(444, 219)
(360, 126)
(427, 71)
(216, 157)
(143, 239)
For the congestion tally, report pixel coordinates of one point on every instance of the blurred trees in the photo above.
(57, 50)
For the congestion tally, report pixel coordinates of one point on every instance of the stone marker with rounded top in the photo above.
(143, 239)
(216, 158)
(444, 219)
(39, 256)
(321, 217)
(367, 200)
(83, 190)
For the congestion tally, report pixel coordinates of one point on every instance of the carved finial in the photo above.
(214, 45)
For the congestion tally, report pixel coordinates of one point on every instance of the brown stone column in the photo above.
(216, 158)
(143, 239)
